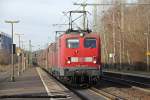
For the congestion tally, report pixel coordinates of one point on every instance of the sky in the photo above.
(36, 18)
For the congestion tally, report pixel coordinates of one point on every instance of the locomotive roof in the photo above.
(78, 33)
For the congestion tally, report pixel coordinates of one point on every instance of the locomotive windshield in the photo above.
(72, 43)
(90, 43)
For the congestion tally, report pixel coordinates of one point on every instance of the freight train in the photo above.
(75, 57)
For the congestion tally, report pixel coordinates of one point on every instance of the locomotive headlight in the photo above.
(81, 34)
(68, 61)
(94, 61)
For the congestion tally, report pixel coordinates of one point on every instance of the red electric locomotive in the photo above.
(75, 57)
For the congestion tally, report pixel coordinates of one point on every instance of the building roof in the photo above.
(5, 34)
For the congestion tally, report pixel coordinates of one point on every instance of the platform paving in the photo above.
(54, 88)
(132, 73)
(34, 84)
(28, 84)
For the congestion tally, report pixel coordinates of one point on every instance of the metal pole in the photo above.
(147, 40)
(19, 59)
(122, 27)
(12, 57)
(120, 56)
(24, 59)
(22, 56)
(129, 62)
(19, 41)
(30, 54)
(95, 17)
(148, 44)
(114, 42)
(84, 15)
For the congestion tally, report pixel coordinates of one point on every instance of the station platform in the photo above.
(34, 83)
(130, 73)
(28, 83)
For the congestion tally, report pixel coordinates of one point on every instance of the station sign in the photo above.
(147, 53)
(18, 50)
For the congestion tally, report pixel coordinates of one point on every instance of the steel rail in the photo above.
(133, 84)
(107, 95)
(127, 81)
(82, 97)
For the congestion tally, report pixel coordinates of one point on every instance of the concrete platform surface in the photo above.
(34, 83)
(28, 84)
(131, 73)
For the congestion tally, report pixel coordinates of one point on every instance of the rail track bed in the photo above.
(145, 79)
(81, 93)
(111, 89)
(121, 90)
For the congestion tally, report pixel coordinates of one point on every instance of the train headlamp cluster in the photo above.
(94, 61)
(86, 59)
(81, 34)
(68, 61)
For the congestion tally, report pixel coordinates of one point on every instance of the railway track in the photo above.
(83, 94)
(137, 85)
(111, 96)
(107, 95)
(101, 93)
(124, 90)
(132, 78)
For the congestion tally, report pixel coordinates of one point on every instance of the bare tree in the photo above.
(136, 23)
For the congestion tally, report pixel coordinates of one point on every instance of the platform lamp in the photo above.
(12, 22)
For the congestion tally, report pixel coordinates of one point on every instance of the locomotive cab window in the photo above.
(90, 43)
(72, 43)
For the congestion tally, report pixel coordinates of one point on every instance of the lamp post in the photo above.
(30, 54)
(12, 57)
(23, 54)
(147, 49)
(18, 53)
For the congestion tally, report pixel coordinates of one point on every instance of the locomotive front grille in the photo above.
(82, 70)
